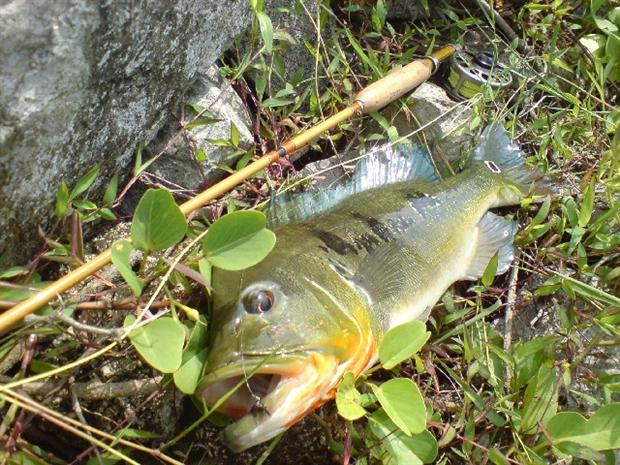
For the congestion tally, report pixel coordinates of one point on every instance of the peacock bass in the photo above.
(349, 264)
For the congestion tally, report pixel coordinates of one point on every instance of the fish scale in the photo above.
(420, 219)
(349, 264)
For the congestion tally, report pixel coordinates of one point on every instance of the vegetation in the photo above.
(520, 369)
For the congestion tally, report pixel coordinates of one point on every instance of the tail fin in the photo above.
(501, 155)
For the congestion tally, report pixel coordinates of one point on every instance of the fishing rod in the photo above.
(372, 98)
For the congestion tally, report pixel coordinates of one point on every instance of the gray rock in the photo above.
(444, 122)
(83, 82)
(404, 10)
(179, 165)
(330, 171)
(433, 120)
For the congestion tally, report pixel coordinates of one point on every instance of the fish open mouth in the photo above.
(248, 396)
(270, 400)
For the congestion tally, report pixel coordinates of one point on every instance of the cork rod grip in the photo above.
(394, 85)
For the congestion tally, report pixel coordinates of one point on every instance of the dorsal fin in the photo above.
(386, 164)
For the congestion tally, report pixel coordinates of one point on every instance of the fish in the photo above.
(349, 264)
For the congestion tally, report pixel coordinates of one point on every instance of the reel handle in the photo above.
(401, 81)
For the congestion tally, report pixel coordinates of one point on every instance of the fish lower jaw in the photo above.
(251, 430)
(285, 404)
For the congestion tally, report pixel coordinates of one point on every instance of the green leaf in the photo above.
(541, 399)
(200, 155)
(589, 291)
(22, 458)
(612, 45)
(587, 204)
(277, 102)
(403, 402)
(266, 30)
(529, 356)
(570, 209)
(489, 272)
(360, 51)
(542, 213)
(238, 240)
(348, 398)
(234, 134)
(578, 451)
(158, 223)
(594, 43)
(595, 5)
(84, 182)
(21, 293)
(601, 432)
(401, 342)
(62, 200)
(378, 15)
(497, 458)
(260, 84)
(195, 354)
(13, 271)
(137, 433)
(401, 449)
(138, 166)
(84, 204)
(205, 268)
(159, 342)
(121, 252)
(197, 123)
(107, 214)
(605, 25)
(110, 192)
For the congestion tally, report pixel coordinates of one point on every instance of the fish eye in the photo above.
(258, 301)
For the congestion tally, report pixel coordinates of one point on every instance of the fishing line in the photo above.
(239, 338)
(246, 378)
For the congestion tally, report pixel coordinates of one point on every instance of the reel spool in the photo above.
(476, 65)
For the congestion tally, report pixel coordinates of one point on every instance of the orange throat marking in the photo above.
(359, 350)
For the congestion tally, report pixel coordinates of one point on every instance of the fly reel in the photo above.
(476, 65)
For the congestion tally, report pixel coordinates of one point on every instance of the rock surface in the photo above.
(83, 82)
(404, 10)
(443, 122)
(179, 164)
